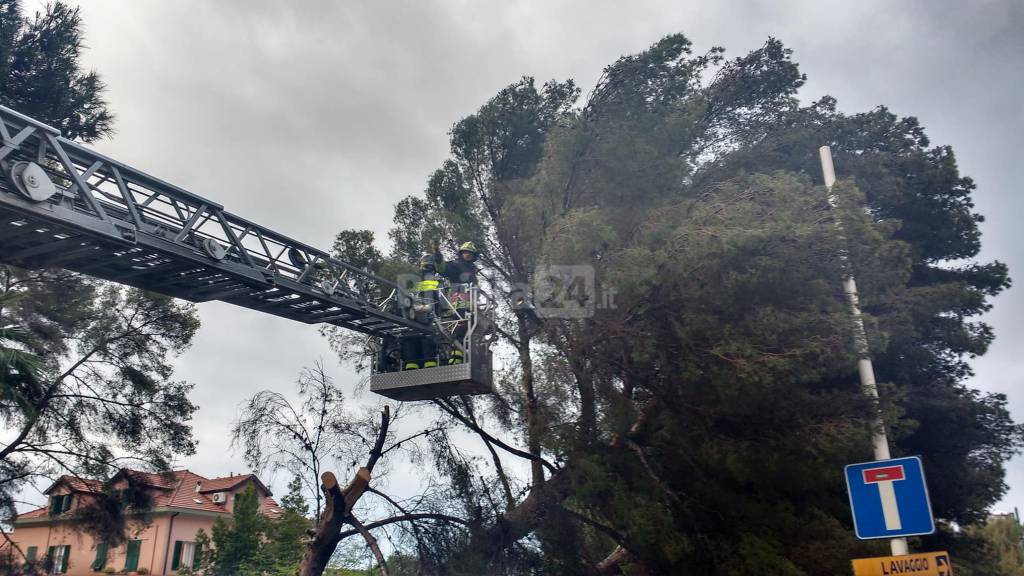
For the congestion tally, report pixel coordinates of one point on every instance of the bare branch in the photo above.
(378, 446)
(408, 518)
(611, 564)
(521, 453)
(371, 542)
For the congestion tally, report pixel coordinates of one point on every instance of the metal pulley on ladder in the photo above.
(31, 180)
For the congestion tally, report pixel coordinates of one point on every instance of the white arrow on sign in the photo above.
(885, 477)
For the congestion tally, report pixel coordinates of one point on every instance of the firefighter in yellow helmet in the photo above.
(461, 272)
(463, 269)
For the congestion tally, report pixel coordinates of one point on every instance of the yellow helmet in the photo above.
(427, 262)
(468, 247)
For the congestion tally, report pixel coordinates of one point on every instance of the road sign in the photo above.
(928, 564)
(889, 499)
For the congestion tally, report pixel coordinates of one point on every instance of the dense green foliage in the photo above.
(40, 72)
(295, 500)
(237, 542)
(703, 414)
(1002, 539)
(103, 396)
(253, 544)
(19, 366)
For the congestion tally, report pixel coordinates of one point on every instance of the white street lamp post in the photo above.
(864, 367)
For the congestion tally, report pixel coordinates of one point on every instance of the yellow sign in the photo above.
(928, 564)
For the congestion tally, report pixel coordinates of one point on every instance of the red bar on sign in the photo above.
(887, 474)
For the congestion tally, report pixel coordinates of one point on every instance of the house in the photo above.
(183, 503)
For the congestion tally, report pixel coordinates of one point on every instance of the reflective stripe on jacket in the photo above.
(426, 286)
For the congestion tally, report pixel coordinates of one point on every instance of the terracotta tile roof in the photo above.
(165, 481)
(38, 513)
(184, 494)
(76, 484)
(229, 482)
(178, 490)
(89, 485)
(270, 508)
(225, 483)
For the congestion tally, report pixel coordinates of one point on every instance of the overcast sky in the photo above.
(314, 116)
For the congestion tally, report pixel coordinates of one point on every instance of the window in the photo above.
(60, 504)
(101, 558)
(186, 554)
(31, 553)
(131, 560)
(59, 557)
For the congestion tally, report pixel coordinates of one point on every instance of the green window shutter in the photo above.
(64, 560)
(51, 553)
(196, 557)
(31, 553)
(131, 561)
(101, 557)
(176, 558)
(60, 504)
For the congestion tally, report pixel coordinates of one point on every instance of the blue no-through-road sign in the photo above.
(889, 499)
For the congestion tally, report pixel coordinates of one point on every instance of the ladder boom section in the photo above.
(63, 205)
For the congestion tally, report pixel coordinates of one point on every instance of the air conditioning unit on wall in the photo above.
(220, 498)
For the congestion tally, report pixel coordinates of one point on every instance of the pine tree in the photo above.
(236, 543)
(285, 541)
(295, 500)
(285, 544)
(251, 544)
(41, 75)
(701, 419)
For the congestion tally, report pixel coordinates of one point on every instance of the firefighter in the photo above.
(461, 272)
(421, 351)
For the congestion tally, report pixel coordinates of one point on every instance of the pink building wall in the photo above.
(153, 555)
(158, 536)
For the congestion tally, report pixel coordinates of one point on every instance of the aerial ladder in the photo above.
(63, 205)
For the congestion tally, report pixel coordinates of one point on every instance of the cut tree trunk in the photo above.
(340, 502)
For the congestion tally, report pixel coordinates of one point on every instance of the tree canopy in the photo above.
(699, 419)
